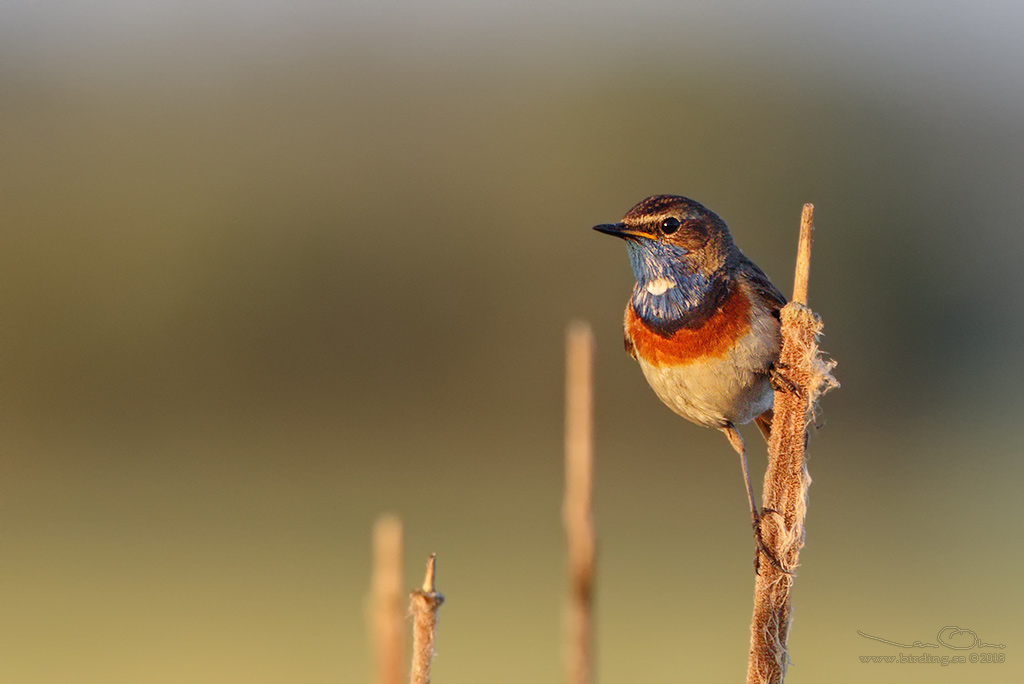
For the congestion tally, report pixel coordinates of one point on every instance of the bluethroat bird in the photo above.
(702, 321)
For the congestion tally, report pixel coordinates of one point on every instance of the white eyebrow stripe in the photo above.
(659, 286)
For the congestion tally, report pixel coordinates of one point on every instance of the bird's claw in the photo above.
(780, 381)
(761, 548)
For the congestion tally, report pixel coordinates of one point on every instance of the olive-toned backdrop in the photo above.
(266, 277)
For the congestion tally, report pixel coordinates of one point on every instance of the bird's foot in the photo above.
(760, 548)
(780, 380)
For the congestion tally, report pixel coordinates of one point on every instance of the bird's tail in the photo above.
(764, 424)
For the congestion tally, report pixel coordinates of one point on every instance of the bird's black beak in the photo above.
(620, 230)
(611, 229)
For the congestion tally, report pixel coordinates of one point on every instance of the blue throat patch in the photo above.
(685, 304)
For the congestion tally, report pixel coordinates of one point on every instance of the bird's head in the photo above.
(672, 239)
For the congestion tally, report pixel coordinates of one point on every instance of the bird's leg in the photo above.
(736, 440)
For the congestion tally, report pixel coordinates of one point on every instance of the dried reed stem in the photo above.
(424, 604)
(388, 600)
(803, 255)
(577, 509)
(786, 480)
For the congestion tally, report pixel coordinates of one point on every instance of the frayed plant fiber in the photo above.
(785, 490)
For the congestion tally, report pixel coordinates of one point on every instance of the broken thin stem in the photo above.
(424, 604)
(803, 255)
(577, 512)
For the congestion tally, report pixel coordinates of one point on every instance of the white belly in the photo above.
(717, 391)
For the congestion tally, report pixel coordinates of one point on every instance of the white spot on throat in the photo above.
(659, 286)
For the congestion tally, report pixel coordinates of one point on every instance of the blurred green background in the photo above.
(270, 270)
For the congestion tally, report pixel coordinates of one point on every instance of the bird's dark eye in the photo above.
(669, 226)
